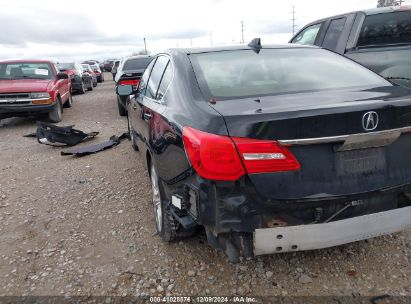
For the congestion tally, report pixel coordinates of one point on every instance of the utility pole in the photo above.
(211, 37)
(293, 19)
(145, 46)
(242, 32)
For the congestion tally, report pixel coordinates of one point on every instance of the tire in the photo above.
(121, 110)
(132, 136)
(69, 102)
(56, 113)
(83, 88)
(167, 227)
(90, 88)
(95, 83)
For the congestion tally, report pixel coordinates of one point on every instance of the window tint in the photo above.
(333, 33)
(144, 79)
(389, 28)
(136, 64)
(155, 76)
(243, 73)
(25, 70)
(308, 35)
(165, 81)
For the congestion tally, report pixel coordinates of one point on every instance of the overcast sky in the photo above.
(79, 30)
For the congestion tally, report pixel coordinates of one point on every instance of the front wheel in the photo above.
(167, 227)
(55, 114)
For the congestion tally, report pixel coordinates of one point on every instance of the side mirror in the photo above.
(61, 76)
(125, 90)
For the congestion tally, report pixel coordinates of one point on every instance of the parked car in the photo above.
(108, 65)
(129, 73)
(272, 148)
(379, 39)
(91, 62)
(87, 68)
(101, 65)
(80, 80)
(98, 72)
(114, 69)
(33, 87)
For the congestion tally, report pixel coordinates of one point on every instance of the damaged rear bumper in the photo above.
(317, 236)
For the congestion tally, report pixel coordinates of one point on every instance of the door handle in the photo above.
(147, 116)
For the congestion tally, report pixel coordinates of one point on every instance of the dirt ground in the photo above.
(84, 226)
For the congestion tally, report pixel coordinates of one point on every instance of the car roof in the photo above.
(367, 12)
(26, 61)
(236, 47)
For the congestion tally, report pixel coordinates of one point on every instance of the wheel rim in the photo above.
(156, 198)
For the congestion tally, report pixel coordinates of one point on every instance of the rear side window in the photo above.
(144, 79)
(308, 35)
(155, 77)
(333, 33)
(383, 29)
(165, 81)
(136, 64)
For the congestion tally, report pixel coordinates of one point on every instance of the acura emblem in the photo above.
(370, 121)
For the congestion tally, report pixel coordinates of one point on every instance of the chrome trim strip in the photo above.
(341, 138)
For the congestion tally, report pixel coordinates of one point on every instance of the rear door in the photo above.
(151, 105)
(337, 33)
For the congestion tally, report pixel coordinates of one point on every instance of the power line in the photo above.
(242, 32)
(293, 19)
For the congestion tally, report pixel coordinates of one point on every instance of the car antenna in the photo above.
(255, 45)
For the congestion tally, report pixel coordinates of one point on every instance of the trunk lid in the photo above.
(332, 165)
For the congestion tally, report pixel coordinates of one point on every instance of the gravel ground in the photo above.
(84, 226)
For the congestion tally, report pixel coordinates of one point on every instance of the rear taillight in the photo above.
(263, 156)
(212, 156)
(133, 82)
(216, 157)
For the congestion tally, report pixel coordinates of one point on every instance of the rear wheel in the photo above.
(167, 227)
(69, 102)
(56, 113)
(83, 88)
(121, 110)
(90, 86)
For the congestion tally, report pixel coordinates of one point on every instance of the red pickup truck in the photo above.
(33, 87)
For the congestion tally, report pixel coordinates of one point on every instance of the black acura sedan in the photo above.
(272, 148)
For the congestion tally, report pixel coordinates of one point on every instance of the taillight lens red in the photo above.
(133, 82)
(212, 156)
(216, 157)
(263, 156)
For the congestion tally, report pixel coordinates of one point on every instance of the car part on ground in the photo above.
(288, 136)
(50, 134)
(82, 151)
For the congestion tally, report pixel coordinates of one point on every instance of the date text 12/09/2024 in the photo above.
(203, 299)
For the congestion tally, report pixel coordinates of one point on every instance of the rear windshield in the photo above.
(244, 73)
(25, 70)
(66, 66)
(136, 64)
(383, 29)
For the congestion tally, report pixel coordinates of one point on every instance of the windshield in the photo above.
(383, 29)
(136, 64)
(23, 70)
(244, 73)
